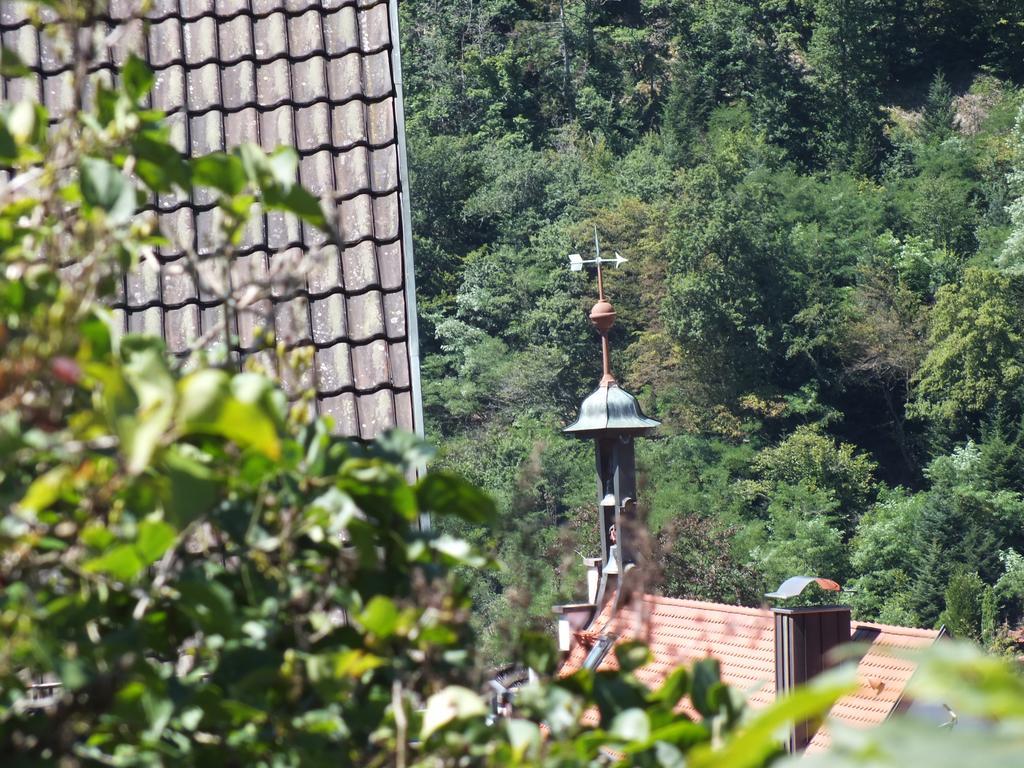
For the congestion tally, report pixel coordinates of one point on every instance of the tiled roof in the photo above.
(316, 75)
(882, 674)
(680, 632)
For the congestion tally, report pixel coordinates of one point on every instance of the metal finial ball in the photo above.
(602, 315)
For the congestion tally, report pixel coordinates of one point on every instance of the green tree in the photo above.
(726, 291)
(812, 459)
(697, 563)
(1012, 255)
(846, 54)
(803, 537)
(937, 119)
(975, 362)
(962, 616)
(886, 553)
(1008, 591)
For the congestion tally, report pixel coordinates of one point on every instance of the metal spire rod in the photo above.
(603, 314)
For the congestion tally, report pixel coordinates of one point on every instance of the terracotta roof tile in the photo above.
(314, 74)
(684, 631)
(882, 674)
(680, 632)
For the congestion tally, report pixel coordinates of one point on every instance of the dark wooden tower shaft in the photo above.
(616, 483)
(803, 639)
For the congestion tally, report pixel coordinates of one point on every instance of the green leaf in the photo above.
(149, 378)
(220, 171)
(381, 617)
(968, 680)
(105, 186)
(274, 176)
(295, 200)
(539, 652)
(193, 488)
(21, 121)
(210, 605)
(457, 551)
(707, 678)
(523, 736)
(11, 64)
(452, 703)
(614, 693)
(97, 338)
(125, 562)
(137, 77)
(254, 163)
(239, 409)
(97, 536)
(191, 717)
(122, 563)
(631, 725)
(668, 755)
(155, 538)
(673, 688)
(73, 674)
(158, 162)
(632, 655)
(681, 732)
(45, 490)
(757, 739)
(354, 662)
(8, 147)
(448, 494)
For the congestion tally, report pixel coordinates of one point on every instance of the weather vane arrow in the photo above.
(576, 263)
(602, 315)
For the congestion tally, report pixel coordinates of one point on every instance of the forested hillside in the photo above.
(822, 202)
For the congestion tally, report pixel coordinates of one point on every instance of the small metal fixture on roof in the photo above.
(795, 585)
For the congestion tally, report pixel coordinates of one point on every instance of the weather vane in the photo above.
(602, 315)
(576, 263)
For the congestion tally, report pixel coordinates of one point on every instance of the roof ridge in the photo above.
(709, 605)
(895, 629)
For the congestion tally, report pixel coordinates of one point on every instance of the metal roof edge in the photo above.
(412, 325)
(409, 262)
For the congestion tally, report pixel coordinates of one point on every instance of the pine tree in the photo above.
(937, 123)
(847, 54)
(685, 112)
(963, 614)
(928, 593)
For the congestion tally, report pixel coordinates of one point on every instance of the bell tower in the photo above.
(611, 417)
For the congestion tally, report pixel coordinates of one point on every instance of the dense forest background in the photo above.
(822, 202)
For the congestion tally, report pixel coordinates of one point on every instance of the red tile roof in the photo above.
(883, 676)
(684, 631)
(742, 639)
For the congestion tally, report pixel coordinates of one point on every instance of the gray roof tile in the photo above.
(313, 75)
